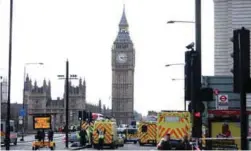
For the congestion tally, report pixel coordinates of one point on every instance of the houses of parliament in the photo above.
(38, 100)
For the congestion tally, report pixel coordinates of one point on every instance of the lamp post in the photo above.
(7, 139)
(174, 79)
(197, 123)
(25, 65)
(66, 78)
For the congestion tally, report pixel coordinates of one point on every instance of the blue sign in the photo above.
(22, 112)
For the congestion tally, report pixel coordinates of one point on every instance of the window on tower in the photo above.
(125, 46)
(118, 46)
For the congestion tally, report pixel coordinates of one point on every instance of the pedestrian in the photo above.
(185, 144)
(43, 135)
(166, 144)
(38, 136)
(50, 135)
(101, 138)
(82, 135)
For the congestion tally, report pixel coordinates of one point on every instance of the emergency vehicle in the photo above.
(89, 126)
(147, 132)
(131, 135)
(110, 137)
(13, 133)
(175, 123)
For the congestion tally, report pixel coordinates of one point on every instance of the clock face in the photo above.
(121, 58)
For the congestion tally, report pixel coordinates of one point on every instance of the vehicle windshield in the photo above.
(121, 131)
(132, 131)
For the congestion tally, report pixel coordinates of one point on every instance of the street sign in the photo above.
(22, 112)
(20, 122)
(20, 117)
(216, 91)
(223, 101)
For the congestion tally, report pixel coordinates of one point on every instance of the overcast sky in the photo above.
(50, 31)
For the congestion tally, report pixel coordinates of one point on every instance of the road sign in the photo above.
(22, 112)
(20, 122)
(20, 117)
(216, 91)
(223, 101)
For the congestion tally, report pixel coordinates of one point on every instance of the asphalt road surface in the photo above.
(60, 145)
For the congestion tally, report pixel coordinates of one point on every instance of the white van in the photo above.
(13, 133)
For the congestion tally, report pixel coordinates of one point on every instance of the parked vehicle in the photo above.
(13, 132)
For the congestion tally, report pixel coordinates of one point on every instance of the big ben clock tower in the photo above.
(123, 64)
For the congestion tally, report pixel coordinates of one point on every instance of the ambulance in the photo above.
(175, 123)
(147, 131)
(13, 133)
(88, 126)
(111, 136)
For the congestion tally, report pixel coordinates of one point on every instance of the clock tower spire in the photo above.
(123, 63)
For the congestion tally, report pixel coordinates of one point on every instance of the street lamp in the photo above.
(25, 65)
(173, 79)
(179, 21)
(185, 102)
(66, 78)
(7, 139)
(174, 64)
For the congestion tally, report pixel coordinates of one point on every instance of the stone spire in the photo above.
(80, 82)
(44, 83)
(123, 34)
(84, 84)
(123, 24)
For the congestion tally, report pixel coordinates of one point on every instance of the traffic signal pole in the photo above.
(197, 72)
(244, 71)
(243, 114)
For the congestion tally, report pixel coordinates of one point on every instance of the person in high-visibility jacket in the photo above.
(101, 138)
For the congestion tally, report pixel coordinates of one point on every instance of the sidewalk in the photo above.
(30, 138)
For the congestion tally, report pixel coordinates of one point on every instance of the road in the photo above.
(26, 145)
(61, 146)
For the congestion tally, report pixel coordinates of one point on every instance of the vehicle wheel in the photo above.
(113, 146)
(141, 144)
(33, 148)
(135, 142)
(52, 148)
(15, 143)
(71, 141)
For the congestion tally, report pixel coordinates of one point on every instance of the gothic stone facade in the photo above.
(123, 64)
(38, 100)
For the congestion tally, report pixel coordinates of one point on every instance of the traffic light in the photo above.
(197, 114)
(206, 94)
(84, 115)
(188, 71)
(90, 116)
(241, 59)
(80, 115)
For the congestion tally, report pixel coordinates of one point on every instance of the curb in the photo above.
(31, 140)
(78, 148)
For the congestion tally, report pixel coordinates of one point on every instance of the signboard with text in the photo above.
(42, 122)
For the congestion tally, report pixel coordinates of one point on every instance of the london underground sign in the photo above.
(223, 101)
